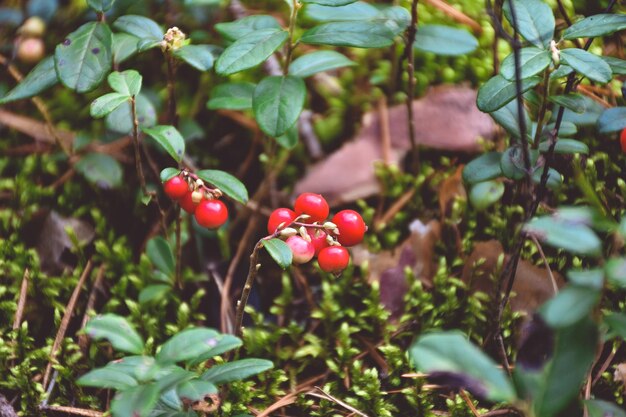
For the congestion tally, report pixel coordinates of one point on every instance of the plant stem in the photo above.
(543, 108)
(138, 166)
(252, 273)
(295, 7)
(179, 248)
(411, 87)
(171, 91)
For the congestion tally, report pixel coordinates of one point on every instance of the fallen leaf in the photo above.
(620, 374)
(450, 190)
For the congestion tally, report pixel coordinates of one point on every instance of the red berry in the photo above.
(622, 140)
(211, 213)
(351, 227)
(302, 250)
(318, 239)
(279, 216)
(333, 259)
(176, 187)
(312, 204)
(187, 203)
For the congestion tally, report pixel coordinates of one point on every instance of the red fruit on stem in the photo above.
(279, 216)
(187, 203)
(333, 259)
(302, 250)
(318, 239)
(351, 227)
(622, 140)
(211, 213)
(312, 204)
(176, 187)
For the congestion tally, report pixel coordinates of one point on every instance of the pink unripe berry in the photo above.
(302, 250)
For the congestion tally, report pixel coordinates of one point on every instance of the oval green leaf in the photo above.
(127, 82)
(135, 402)
(196, 389)
(572, 237)
(169, 173)
(198, 56)
(250, 50)
(277, 103)
(444, 40)
(242, 27)
(187, 344)
(139, 26)
(100, 169)
(100, 5)
(330, 3)
(160, 254)
(279, 251)
(612, 120)
(318, 61)
(535, 20)
(499, 91)
(484, 168)
(358, 34)
(226, 182)
(104, 105)
(117, 331)
(232, 96)
(107, 378)
(507, 117)
(120, 119)
(124, 47)
(594, 26)
(169, 138)
(569, 306)
(587, 64)
(236, 370)
(566, 146)
(38, 80)
(532, 60)
(485, 194)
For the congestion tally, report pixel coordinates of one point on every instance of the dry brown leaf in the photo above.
(446, 118)
(450, 190)
(620, 374)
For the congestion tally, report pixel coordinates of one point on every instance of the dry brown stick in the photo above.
(83, 340)
(323, 394)
(73, 410)
(385, 132)
(605, 366)
(394, 209)
(21, 303)
(69, 309)
(469, 402)
(284, 401)
(555, 287)
(456, 14)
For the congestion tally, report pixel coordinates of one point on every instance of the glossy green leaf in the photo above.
(250, 50)
(161, 254)
(358, 34)
(135, 402)
(290, 139)
(499, 91)
(100, 169)
(107, 378)
(196, 389)
(169, 376)
(359, 10)
(318, 61)
(618, 66)
(532, 60)
(226, 182)
(588, 118)
(169, 138)
(127, 82)
(100, 5)
(599, 408)
(242, 27)
(331, 3)
(141, 368)
(187, 344)
(36, 81)
(198, 56)
(615, 270)
(612, 120)
(566, 146)
(452, 352)
(120, 119)
(535, 20)
(105, 104)
(569, 306)
(562, 71)
(232, 96)
(169, 173)
(512, 162)
(154, 292)
(236, 370)
(277, 103)
(124, 46)
(573, 101)
(616, 323)
(570, 236)
(594, 26)
(444, 40)
(141, 27)
(84, 58)
(225, 343)
(555, 179)
(507, 117)
(485, 167)
(279, 251)
(117, 331)
(587, 64)
(485, 194)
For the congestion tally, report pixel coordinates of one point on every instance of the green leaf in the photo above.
(141, 368)
(588, 118)
(573, 101)
(196, 389)
(616, 323)
(599, 408)
(198, 56)
(359, 10)
(124, 47)
(535, 20)
(84, 58)
(358, 34)
(120, 120)
(169, 173)
(226, 182)
(279, 251)
(507, 117)
(594, 26)
(169, 138)
(117, 331)
(161, 255)
(452, 352)
(498, 91)
(587, 64)
(135, 402)
(618, 66)
(615, 270)
(331, 3)
(169, 376)
(225, 343)
(444, 40)
(290, 139)
(187, 344)
(105, 104)
(532, 60)
(242, 27)
(566, 146)
(485, 167)
(100, 169)
(612, 120)
(555, 180)
(100, 5)
(569, 306)
(141, 27)
(512, 162)
(278, 102)
(318, 61)
(570, 236)
(232, 96)
(485, 194)
(250, 50)
(107, 378)
(154, 293)
(38, 80)
(127, 82)
(236, 370)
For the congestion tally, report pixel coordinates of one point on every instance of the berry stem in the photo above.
(292, 26)
(138, 167)
(179, 249)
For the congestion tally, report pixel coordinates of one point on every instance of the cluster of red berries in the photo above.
(314, 235)
(197, 199)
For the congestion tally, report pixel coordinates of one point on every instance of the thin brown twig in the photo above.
(456, 15)
(247, 288)
(83, 340)
(323, 394)
(555, 287)
(469, 402)
(21, 303)
(395, 208)
(69, 310)
(73, 410)
(385, 132)
(411, 34)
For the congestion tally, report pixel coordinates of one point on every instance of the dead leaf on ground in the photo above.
(446, 118)
(450, 190)
(620, 374)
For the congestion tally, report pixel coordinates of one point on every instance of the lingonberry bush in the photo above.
(170, 111)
